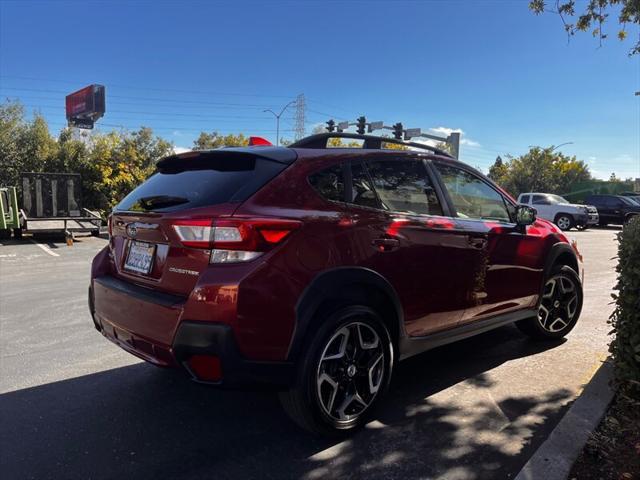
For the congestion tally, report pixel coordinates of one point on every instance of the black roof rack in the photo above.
(319, 140)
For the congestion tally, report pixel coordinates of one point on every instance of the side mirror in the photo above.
(525, 215)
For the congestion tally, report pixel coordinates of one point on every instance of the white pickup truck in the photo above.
(559, 211)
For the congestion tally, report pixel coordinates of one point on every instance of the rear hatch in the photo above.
(154, 230)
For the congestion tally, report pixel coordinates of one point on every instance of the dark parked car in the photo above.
(614, 209)
(635, 196)
(315, 270)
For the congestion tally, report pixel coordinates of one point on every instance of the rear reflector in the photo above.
(205, 367)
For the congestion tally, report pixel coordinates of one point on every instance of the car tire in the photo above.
(343, 374)
(559, 306)
(629, 218)
(564, 221)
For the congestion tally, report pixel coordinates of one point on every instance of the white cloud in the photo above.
(446, 131)
(177, 149)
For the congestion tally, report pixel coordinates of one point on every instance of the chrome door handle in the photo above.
(478, 242)
(385, 244)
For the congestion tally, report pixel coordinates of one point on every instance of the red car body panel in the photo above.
(446, 272)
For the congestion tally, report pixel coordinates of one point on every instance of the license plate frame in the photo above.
(146, 254)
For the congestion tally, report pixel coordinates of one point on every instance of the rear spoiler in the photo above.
(282, 155)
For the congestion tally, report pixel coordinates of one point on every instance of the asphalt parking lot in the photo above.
(72, 405)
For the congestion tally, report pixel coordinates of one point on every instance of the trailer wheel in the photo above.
(5, 234)
(17, 233)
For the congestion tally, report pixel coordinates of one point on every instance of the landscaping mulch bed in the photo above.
(613, 449)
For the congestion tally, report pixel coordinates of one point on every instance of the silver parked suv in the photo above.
(556, 209)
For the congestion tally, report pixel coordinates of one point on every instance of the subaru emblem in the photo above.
(132, 230)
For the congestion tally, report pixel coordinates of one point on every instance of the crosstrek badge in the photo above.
(183, 271)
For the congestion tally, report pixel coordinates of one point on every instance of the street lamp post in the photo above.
(278, 115)
(554, 147)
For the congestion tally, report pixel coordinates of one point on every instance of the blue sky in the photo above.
(506, 78)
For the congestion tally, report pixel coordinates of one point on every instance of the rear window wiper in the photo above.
(161, 201)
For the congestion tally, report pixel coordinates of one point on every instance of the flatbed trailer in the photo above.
(51, 203)
(68, 225)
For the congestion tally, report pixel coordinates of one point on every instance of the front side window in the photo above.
(540, 200)
(524, 199)
(403, 186)
(471, 196)
(329, 183)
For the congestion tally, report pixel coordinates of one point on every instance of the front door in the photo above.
(505, 260)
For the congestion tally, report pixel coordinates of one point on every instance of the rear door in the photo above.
(608, 208)
(406, 236)
(504, 260)
(145, 242)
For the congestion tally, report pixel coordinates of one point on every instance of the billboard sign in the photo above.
(85, 106)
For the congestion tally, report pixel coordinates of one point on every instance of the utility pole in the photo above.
(278, 115)
(300, 117)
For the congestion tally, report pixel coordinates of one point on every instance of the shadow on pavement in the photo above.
(142, 422)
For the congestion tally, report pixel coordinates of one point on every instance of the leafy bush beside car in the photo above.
(625, 320)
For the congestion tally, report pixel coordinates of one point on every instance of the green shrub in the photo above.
(625, 320)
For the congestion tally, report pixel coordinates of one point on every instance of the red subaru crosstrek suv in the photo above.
(315, 269)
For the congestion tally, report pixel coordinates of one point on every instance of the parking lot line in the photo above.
(45, 248)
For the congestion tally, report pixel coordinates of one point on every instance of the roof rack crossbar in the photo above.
(319, 140)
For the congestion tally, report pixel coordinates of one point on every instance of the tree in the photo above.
(539, 170)
(207, 141)
(498, 171)
(593, 17)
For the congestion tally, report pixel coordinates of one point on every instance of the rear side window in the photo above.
(329, 183)
(198, 182)
(524, 199)
(362, 191)
(403, 186)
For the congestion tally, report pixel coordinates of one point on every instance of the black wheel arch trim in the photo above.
(328, 284)
(555, 252)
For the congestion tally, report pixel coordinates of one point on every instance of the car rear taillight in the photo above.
(109, 225)
(234, 240)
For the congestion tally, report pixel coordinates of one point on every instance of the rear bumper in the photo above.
(148, 324)
(197, 338)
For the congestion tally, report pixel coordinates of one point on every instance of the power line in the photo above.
(137, 104)
(188, 115)
(197, 92)
(152, 99)
(198, 130)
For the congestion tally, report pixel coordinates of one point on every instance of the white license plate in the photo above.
(140, 257)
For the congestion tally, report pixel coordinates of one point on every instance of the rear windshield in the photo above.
(190, 183)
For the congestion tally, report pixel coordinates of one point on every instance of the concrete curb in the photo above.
(555, 457)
